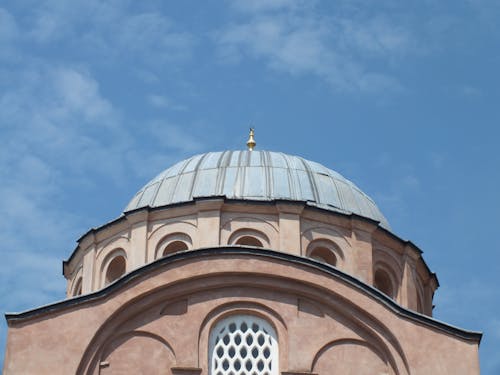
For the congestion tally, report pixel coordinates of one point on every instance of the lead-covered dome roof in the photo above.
(256, 175)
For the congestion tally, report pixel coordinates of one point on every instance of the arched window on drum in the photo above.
(116, 268)
(173, 243)
(383, 282)
(243, 344)
(325, 251)
(249, 237)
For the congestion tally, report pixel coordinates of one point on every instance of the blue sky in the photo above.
(402, 98)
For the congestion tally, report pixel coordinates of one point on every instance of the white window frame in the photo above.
(229, 342)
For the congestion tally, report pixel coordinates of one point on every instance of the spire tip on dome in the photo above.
(251, 140)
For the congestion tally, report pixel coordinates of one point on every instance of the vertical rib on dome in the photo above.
(256, 175)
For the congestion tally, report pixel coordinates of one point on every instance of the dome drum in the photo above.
(350, 242)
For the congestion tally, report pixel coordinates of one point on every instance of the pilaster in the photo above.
(89, 260)
(408, 290)
(138, 239)
(209, 222)
(361, 238)
(289, 227)
(429, 289)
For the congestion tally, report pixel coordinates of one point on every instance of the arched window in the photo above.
(325, 251)
(173, 243)
(116, 268)
(174, 247)
(382, 282)
(249, 241)
(78, 287)
(324, 255)
(243, 344)
(249, 237)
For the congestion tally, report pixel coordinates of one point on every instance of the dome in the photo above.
(256, 175)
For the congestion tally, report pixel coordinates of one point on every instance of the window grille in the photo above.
(243, 345)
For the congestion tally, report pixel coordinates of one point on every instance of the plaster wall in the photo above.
(159, 320)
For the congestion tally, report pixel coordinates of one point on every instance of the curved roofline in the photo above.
(14, 318)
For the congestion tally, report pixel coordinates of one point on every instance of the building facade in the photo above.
(243, 262)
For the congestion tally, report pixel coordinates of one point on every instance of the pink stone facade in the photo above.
(341, 294)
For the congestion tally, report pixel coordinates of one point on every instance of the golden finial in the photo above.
(251, 141)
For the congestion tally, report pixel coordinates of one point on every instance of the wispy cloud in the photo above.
(470, 91)
(297, 40)
(175, 137)
(163, 102)
(9, 33)
(108, 29)
(8, 26)
(59, 126)
(437, 159)
(265, 5)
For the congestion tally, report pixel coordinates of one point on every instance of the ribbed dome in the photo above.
(256, 175)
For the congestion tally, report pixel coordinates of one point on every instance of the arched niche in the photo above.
(256, 227)
(325, 251)
(113, 267)
(320, 235)
(136, 353)
(77, 289)
(248, 237)
(105, 254)
(75, 284)
(108, 245)
(351, 357)
(166, 232)
(173, 243)
(249, 241)
(391, 262)
(383, 281)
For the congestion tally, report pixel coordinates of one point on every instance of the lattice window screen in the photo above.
(243, 345)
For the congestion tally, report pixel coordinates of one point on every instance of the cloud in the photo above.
(60, 135)
(63, 112)
(377, 36)
(113, 31)
(51, 114)
(163, 102)
(175, 137)
(78, 93)
(411, 182)
(8, 26)
(470, 91)
(9, 34)
(151, 34)
(264, 5)
(300, 41)
(437, 160)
